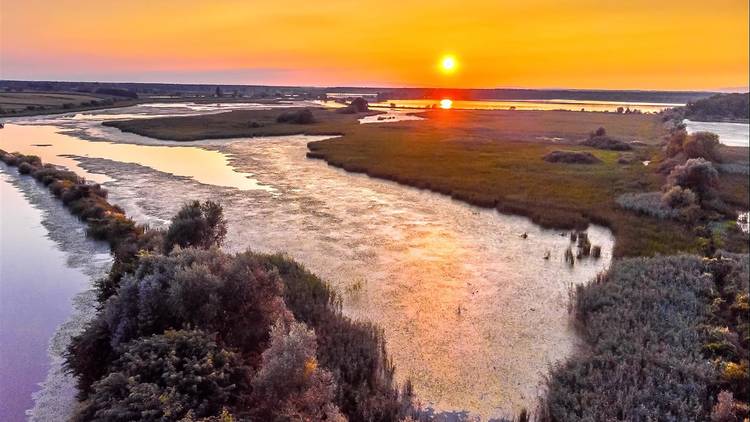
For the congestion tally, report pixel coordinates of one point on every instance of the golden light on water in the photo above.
(448, 64)
(446, 103)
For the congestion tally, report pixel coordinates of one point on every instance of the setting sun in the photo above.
(448, 64)
(446, 103)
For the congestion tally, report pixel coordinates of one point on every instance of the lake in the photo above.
(472, 312)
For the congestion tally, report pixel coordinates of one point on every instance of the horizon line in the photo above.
(367, 86)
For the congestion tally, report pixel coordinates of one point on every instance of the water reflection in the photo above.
(56, 147)
(37, 284)
(571, 105)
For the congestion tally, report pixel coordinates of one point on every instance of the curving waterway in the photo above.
(472, 312)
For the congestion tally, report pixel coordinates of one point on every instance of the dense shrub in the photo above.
(353, 351)
(571, 157)
(719, 107)
(599, 139)
(290, 383)
(196, 224)
(696, 174)
(702, 145)
(677, 197)
(682, 146)
(300, 117)
(166, 377)
(643, 356)
(358, 105)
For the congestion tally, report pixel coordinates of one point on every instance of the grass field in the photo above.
(33, 103)
(235, 124)
(487, 158)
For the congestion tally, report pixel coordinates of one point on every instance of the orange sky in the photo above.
(628, 44)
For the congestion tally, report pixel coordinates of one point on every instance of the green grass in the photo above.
(235, 124)
(487, 158)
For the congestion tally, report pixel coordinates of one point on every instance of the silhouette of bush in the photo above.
(702, 145)
(698, 175)
(299, 117)
(677, 197)
(571, 157)
(196, 224)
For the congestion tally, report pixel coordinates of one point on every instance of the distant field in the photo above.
(20, 100)
(31, 103)
(487, 158)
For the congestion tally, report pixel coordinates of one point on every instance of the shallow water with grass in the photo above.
(473, 303)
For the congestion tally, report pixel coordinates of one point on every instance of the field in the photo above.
(487, 158)
(31, 103)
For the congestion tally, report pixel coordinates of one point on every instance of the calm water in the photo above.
(38, 282)
(572, 105)
(472, 312)
(734, 134)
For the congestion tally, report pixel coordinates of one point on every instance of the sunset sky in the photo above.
(633, 44)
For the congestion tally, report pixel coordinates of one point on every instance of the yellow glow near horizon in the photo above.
(448, 64)
(636, 44)
(446, 103)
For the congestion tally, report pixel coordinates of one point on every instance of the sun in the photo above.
(448, 64)
(446, 103)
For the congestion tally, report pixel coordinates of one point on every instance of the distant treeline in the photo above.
(673, 97)
(165, 89)
(720, 107)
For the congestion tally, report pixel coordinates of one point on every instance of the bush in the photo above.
(643, 359)
(166, 377)
(300, 117)
(571, 157)
(677, 197)
(698, 175)
(196, 224)
(360, 105)
(25, 168)
(600, 140)
(702, 145)
(290, 382)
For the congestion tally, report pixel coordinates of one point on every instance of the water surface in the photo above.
(570, 105)
(732, 134)
(38, 282)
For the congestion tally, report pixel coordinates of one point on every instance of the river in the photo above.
(472, 312)
(46, 269)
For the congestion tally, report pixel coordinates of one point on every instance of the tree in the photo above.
(199, 225)
(702, 145)
(168, 377)
(290, 381)
(360, 104)
(698, 175)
